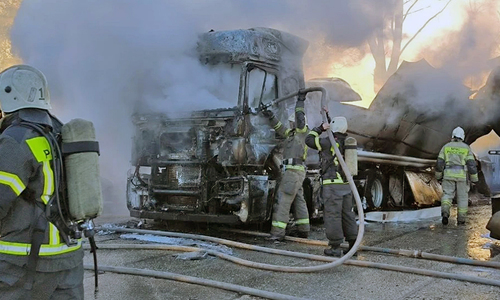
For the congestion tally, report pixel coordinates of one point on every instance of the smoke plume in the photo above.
(105, 59)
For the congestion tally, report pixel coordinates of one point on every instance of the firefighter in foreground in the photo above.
(290, 190)
(455, 160)
(339, 219)
(34, 261)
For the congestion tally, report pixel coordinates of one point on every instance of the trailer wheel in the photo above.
(376, 190)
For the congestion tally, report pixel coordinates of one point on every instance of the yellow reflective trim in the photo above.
(277, 126)
(48, 182)
(41, 148)
(304, 156)
(295, 167)
(312, 132)
(455, 150)
(279, 224)
(45, 250)
(446, 202)
(302, 221)
(287, 132)
(13, 181)
(302, 130)
(459, 175)
(317, 143)
(297, 109)
(54, 238)
(337, 180)
(462, 210)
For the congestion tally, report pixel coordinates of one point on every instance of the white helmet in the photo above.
(339, 124)
(23, 86)
(458, 133)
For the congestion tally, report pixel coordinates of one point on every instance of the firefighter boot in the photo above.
(351, 244)
(334, 251)
(444, 219)
(276, 238)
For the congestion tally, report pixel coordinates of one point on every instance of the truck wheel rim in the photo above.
(377, 193)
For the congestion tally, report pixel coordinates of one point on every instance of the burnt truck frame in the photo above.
(220, 165)
(223, 165)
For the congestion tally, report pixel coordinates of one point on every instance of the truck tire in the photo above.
(376, 192)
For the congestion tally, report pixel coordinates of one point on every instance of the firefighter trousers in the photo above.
(65, 284)
(339, 219)
(290, 192)
(461, 189)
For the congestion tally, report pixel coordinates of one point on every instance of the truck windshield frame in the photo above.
(261, 85)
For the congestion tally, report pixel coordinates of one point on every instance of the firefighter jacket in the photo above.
(454, 160)
(27, 176)
(295, 149)
(331, 172)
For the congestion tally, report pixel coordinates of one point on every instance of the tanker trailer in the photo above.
(399, 136)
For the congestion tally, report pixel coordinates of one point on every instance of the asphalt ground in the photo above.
(342, 282)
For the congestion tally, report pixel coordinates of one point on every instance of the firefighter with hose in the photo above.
(339, 218)
(290, 191)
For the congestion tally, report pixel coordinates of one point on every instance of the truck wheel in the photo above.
(376, 190)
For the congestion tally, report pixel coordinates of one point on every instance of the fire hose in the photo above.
(270, 267)
(401, 252)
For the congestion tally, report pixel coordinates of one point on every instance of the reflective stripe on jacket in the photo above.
(456, 155)
(330, 169)
(294, 146)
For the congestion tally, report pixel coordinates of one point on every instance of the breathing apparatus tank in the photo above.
(351, 155)
(81, 165)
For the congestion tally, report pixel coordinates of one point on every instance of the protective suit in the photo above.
(290, 191)
(34, 261)
(454, 163)
(339, 219)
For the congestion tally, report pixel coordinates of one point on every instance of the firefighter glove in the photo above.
(302, 96)
(267, 113)
(474, 178)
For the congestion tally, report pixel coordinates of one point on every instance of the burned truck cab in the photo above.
(219, 165)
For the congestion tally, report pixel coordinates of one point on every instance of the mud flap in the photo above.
(425, 188)
(494, 226)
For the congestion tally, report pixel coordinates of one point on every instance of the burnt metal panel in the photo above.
(189, 217)
(426, 190)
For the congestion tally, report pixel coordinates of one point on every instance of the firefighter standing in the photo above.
(454, 160)
(27, 183)
(290, 190)
(339, 219)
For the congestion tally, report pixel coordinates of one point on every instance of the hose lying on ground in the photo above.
(288, 253)
(402, 252)
(194, 280)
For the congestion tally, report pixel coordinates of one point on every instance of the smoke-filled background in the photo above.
(106, 59)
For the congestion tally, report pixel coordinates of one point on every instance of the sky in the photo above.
(103, 59)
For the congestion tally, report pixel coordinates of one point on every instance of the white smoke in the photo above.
(105, 59)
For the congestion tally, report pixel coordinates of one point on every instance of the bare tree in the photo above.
(390, 40)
